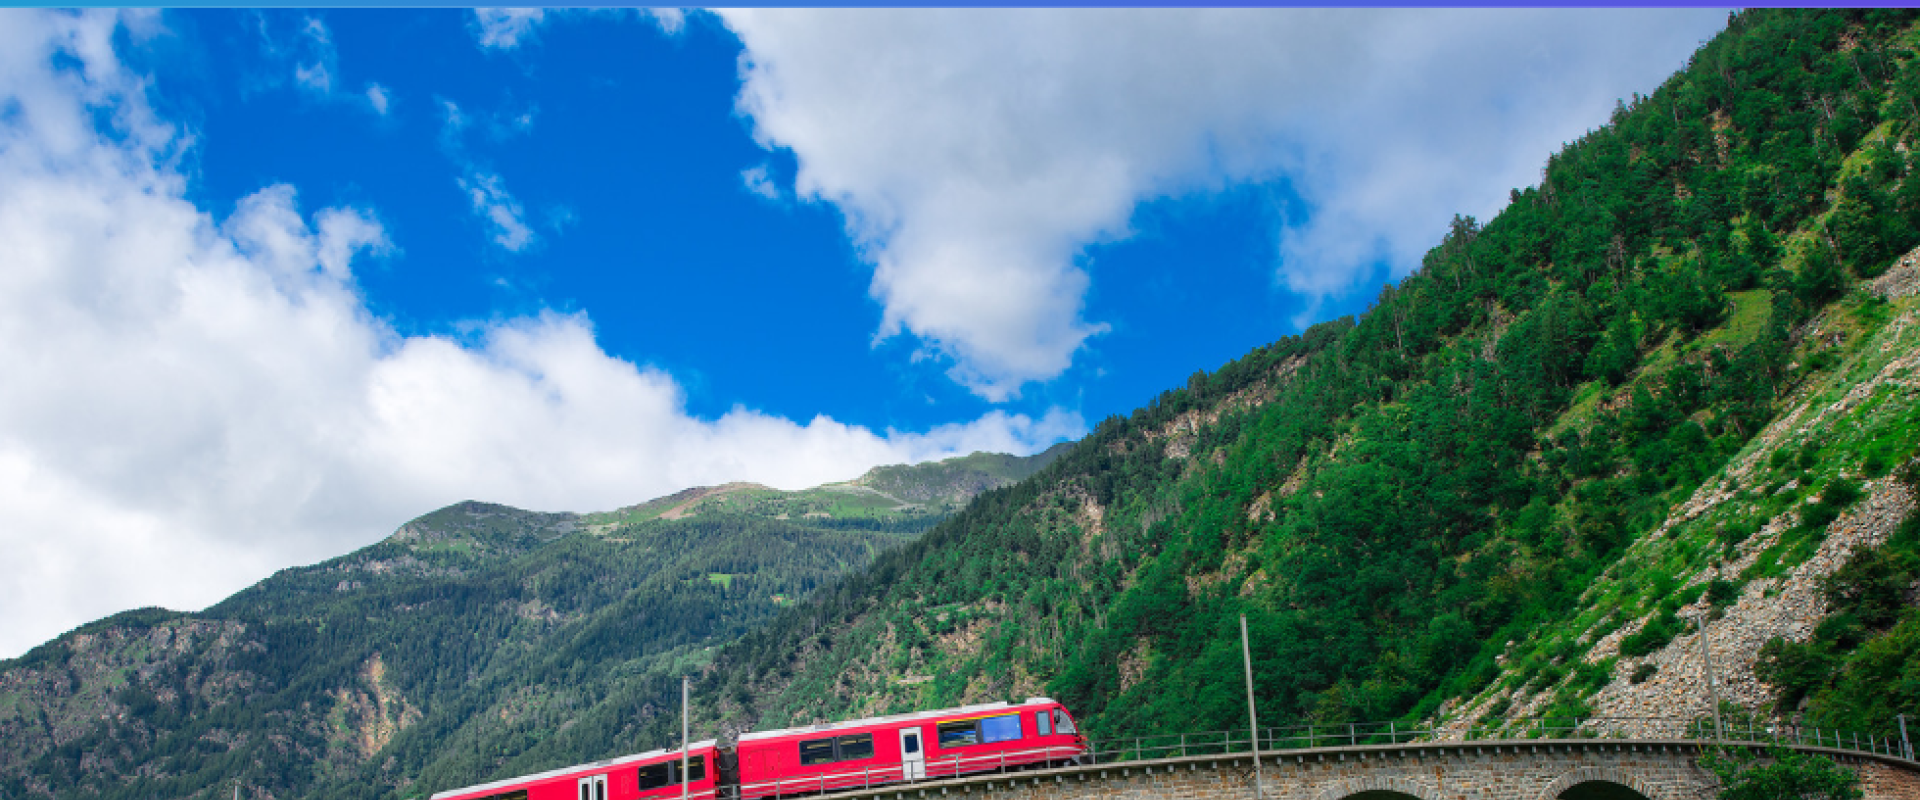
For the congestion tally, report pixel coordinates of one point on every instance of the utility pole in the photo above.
(1253, 718)
(1706, 664)
(1906, 747)
(685, 758)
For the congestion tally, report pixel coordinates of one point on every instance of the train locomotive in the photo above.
(817, 759)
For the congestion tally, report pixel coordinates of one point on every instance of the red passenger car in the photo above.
(925, 744)
(652, 775)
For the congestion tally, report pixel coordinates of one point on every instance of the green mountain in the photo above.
(1676, 377)
(478, 639)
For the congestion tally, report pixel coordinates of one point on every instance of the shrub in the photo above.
(1786, 775)
(1835, 498)
(1643, 672)
(1722, 592)
(1654, 635)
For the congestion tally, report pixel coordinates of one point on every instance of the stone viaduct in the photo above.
(1572, 769)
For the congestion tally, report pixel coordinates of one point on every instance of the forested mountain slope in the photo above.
(476, 639)
(1508, 447)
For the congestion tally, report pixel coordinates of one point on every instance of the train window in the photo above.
(517, 794)
(667, 773)
(654, 776)
(959, 734)
(586, 791)
(854, 747)
(1000, 729)
(816, 751)
(1043, 722)
(1063, 723)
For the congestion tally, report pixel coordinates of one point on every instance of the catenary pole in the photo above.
(1713, 690)
(1905, 745)
(684, 757)
(1253, 718)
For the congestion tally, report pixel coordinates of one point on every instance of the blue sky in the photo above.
(272, 283)
(622, 147)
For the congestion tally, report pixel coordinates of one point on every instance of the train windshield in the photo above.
(1063, 723)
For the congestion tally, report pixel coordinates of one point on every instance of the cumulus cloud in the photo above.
(192, 401)
(976, 153)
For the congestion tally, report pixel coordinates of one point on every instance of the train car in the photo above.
(653, 775)
(903, 747)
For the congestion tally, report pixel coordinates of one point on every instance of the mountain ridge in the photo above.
(466, 630)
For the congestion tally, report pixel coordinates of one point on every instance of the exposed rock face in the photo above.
(1902, 280)
(367, 716)
(1789, 608)
(181, 662)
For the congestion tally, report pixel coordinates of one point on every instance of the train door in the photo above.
(593, 787)
(913, 754)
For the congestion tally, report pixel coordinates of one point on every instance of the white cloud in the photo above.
(515, 124)
(508, 28)
(192, 402)
(314, 77)
(316, 43)
(379, 98)
(505, 218)
(976, 153)
(671, 21)
(759, 182)
(310, 52)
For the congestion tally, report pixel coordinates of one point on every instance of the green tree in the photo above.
(1784, 774)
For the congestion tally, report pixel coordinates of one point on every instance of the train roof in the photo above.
(555, 773)
(856, 723)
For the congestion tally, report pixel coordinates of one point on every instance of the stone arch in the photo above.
(1604, 775)
(1375, 786)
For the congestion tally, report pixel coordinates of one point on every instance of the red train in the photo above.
(817, 758)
